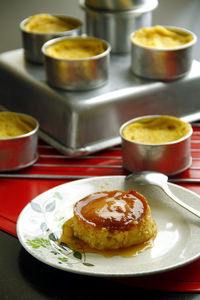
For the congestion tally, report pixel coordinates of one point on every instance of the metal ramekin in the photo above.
(116, 26)
(33, 42)
(21, 151)
(168, 158)
(77, 74)
(115, 4)
(162, 64)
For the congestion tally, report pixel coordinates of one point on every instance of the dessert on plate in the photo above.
(113, 220)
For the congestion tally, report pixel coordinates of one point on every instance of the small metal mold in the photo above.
(20, 151)
(169, 158)
(162, 63)
(77, 73)
(116, 26)
(33, 41)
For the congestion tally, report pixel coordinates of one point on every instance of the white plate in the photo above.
(176, 244)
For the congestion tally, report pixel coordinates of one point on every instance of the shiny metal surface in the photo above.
(115, 4)
(116, 27)
(77, 74)
(159, 180)
(21, 151)
(168, 158)
(33, 42)
(79, 123)
(162, 64)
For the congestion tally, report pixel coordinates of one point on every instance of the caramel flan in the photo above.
(113, 220)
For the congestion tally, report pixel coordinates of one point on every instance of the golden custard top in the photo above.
(12, 125)
(157, 130)
(161, 37)
(45, 23)
(113, 210)
(76, 48)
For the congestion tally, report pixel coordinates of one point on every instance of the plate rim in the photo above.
(99, 274)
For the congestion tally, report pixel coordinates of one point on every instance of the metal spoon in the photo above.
(160, 180)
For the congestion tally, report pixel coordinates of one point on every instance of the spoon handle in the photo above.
(180, 202)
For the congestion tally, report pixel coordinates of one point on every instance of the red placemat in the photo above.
(52, 168)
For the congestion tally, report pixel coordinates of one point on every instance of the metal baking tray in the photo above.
(80, 123)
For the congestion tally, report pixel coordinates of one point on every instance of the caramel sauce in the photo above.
(115, 210)
(78, 245)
